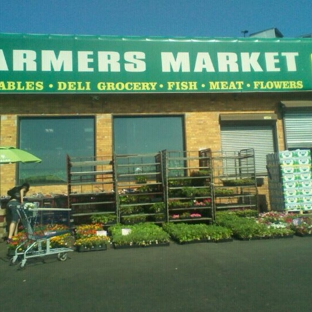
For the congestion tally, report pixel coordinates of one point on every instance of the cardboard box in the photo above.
(294, 154)
(295, 161)
(285, 169)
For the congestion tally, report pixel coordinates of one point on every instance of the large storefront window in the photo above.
(135, 135)
(51, 139)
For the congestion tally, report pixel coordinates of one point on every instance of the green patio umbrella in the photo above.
(9, 155)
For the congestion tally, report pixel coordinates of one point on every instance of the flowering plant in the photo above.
(195, 215)
(92, 241)
(88, 230)
(262, 227)
(175, 216)
(55, 227)
(302, 225)
(16, 240)
(61, 241)
(42, 230)
(185, 215)
(304, 229)
(275, 217)
(280, 225)
(205, 202)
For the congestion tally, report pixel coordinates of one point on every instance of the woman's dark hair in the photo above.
(26, 185)
(15, 191)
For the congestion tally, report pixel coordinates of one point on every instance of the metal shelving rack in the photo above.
(188, 186)
(90, 186)
(139, 188)
(234, 180)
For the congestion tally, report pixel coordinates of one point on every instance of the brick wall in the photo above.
(201, 111)
(3, 224)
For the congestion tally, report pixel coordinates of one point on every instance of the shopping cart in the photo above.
(37, 240)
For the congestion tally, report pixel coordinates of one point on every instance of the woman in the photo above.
(17, 195)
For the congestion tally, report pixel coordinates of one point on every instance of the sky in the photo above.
(167, 18)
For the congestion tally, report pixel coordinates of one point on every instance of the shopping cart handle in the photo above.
(48, 235)
(50, 209)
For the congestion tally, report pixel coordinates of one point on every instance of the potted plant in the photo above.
(238, 182)
(16, 240)
(281, 232)
(65, 240)
(192, 192)
(249, 213)
(219, 192)
(138, 209)
(175, 193)
(147, 189)
(157, 207)
(87, 230)
(88, 237)
(195, 215)
(92, 243)
(302, 226)
(202, 203)
(104, 218)
(187, 191)
(128, 199)
(180, 204)
(159, 217)
(185, 215)
(200, 177)
(132, 219)
(139, 235)
(175, 182)
(143, 199)
(193, 233)
(140, 179)
(126, 210)
(174, 217)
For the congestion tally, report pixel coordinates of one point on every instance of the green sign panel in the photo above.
(90, 64)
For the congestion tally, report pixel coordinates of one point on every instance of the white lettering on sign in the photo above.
(3, 63)
(24, 60)
(250, 60)
(290, 60)
(203, 61)
(84, 58)
(108, 61)
(134, 61)
(271, 59)
(182, 61)
(229, 62)
(64, 61)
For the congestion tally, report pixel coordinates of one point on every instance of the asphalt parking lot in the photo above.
(261, 275)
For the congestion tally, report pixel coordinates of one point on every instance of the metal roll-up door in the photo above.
(258, 137)
(298, 129)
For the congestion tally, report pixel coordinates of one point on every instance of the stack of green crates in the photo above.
(290, 180)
